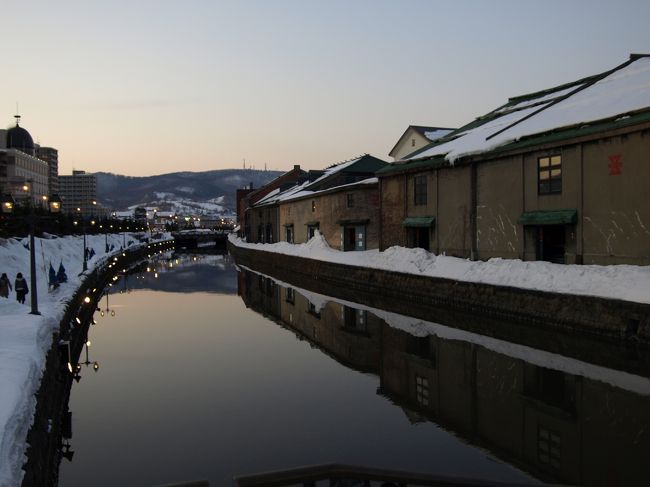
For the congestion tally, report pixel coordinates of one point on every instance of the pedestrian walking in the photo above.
(5, 285)
(21, 288)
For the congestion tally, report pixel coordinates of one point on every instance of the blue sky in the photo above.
(150, 87)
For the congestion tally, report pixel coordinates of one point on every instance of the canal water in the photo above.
(199, 370)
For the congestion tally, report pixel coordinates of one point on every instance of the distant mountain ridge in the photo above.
(184, 192)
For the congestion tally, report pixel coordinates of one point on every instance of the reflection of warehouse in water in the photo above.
(563, 424)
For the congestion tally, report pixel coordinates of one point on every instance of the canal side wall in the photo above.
(49, 426)
(449, 301)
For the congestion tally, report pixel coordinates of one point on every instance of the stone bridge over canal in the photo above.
(192, 239)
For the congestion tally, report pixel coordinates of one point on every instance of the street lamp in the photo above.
(87, 362)
(107, 310)
(83, 229)
(7, 204)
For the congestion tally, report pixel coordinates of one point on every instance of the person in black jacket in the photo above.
(21, 288)
(5, 286)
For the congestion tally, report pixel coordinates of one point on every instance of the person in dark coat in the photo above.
(21, 288)
(5, 286)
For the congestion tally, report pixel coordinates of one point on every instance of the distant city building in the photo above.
(21, 173)
(140, 215)
(51, 156)
(79, 191)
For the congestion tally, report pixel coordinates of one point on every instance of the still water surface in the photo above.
(197, 382)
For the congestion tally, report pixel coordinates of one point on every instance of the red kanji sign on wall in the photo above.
(615, 165)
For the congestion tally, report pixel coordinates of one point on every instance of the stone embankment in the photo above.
(51, 421)
(499, 311)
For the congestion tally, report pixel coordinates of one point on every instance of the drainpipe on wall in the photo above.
(380, 226)
(473, 255)
(405, 242)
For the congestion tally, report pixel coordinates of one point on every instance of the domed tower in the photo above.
(20, 139)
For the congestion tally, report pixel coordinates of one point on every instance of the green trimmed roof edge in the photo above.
(621, 121)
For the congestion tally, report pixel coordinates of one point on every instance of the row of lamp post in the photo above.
(54, 206)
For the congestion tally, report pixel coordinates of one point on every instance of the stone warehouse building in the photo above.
(341, 202)
(558, 175)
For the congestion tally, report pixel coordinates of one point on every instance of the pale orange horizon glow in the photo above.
(200, 85)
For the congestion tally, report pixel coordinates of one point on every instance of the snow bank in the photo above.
(625, 282)
(26, 338)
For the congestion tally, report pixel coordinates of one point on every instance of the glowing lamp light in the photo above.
(70, 367)
(78, 320)
(55, 204)
(87, 300)
(7, 203)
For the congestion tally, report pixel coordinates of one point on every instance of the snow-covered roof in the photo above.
(300, 191)
(615, 93)
(437, 133)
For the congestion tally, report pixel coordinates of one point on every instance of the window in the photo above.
(313, 205)
(420, 193)
(422, 390)
(412, 142)
(289, 234)
(549, 447)
(350, 200)
(549, 170)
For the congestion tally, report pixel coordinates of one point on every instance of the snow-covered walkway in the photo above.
(26, 338)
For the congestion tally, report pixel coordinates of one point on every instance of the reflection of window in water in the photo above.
(355, 319)
(422, 390)
(549, 447)
(311, 309)
(260, 283)
(549, 386)
(290, 295)
(270, 287)
(422, 347)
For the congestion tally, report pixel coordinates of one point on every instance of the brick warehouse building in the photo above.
(341, 202)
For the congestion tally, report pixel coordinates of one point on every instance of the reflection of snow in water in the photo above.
(414, 326)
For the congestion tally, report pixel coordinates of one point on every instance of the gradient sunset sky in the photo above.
(150, 87)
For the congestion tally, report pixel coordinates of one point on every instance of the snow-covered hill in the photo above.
(199, 193)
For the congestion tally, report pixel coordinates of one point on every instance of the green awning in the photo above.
(548, 217)
(354, 222)
(419, 221)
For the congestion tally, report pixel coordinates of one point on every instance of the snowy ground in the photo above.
(626, 282)
(26, 338)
